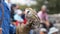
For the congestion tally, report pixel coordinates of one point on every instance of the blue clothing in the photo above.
(31, 32)
(12, 29)
(6, 20)
(23, 16)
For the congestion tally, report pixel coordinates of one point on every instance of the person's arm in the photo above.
(47, 21)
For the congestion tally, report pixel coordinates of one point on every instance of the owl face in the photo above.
(28, 12)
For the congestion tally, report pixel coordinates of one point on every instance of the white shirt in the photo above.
(18, 18)
(17, 11)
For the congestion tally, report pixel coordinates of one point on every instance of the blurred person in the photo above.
(24, 17)
(18, 17)
(5, 18)
(12, 29)
(16, 8)
(43, 16)
(48, 29)
(16, 13)
(13, 7)
(20, 21)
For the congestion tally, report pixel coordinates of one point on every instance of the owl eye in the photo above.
(28, 11)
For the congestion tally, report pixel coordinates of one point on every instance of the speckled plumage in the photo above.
(32, 21)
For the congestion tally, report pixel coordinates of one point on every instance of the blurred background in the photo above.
(53, 5)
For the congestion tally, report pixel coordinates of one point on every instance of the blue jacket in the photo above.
(6, 20)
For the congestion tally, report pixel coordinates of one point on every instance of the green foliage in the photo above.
(53, 6)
